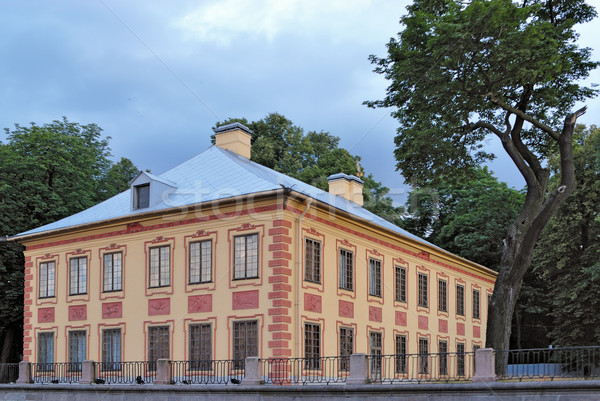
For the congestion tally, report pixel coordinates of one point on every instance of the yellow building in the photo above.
(222, 258)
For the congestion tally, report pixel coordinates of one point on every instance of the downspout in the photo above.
(299, 277)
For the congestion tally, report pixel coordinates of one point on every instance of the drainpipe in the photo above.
(308, 202)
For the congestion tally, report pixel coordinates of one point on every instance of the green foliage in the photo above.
(312, 157)
(566, 262)
(452, 59)
(466, 217)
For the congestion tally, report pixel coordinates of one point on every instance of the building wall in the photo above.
(279, 299)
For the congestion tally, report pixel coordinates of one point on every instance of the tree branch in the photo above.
(492, 98)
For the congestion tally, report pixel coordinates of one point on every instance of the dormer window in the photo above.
(142, 196)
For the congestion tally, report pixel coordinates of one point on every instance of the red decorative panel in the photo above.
(423, 322)
(346, 309)
(45, 315)
(374, 314)
(400, 318)
(77, 312)
(200, 303)
(112, 310)
(312, 303)
(159, 306)
(476, 331)
(245, 299)
(442, 325)
(460, 329)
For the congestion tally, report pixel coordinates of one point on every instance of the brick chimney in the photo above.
(347, 186)
(234, 137)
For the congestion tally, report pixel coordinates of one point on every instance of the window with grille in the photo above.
(346, 347)
(78, 276)
(45, 351)
(460, 300)
(111, 349)
(400, 284)
(245, 250)
(200, 269)
(142, 196)
(113, 272)
(423, 290)
(77, 348)
(400, 358)
(376, 350)
(443, 357)
(200, 346)
(158, 344)
(46, 279)
(460, 359)
(160, 266)
(312, 346)
(245, 341)
(346, 270)
(476, 314)
(312, 260)
(475, 348)
(375, 277)
(423, 356)
(442, 296)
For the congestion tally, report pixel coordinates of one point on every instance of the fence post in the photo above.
(252, 372)
(359, 369)
(163, 372)
(484, 366)
(25, 373)
(88, 372)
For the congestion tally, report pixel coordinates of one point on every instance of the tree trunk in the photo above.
(7, 344)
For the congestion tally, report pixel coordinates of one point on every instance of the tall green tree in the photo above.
(312, 157)
(461, 72)
(47, 172)
(468, 218)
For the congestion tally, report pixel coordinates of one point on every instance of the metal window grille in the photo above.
(46, 280)
(245, 341)
(460, 359)
(346, 347)
(77, 349)
(443, 357)
(423, 290)
(376, 350)
(200, 346)
(460, 300)
(78, 276)
(158, 344)
(312, 261)
(400, 357)
(113, 272)
(476, 314)
(45, 351)
(111, 349)
(142, 193)
(160, 266)
(312, 345)
(245, 256)
(346, 270)
(200, 262)
(423, 356)
(400, 284)
(375, 277)
(442, 296)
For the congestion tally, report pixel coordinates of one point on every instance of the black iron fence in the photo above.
(58, 372)
(442, 367)
(208, 372)
(139, 372)
(9, 372)
(549, 363)
(323, 370)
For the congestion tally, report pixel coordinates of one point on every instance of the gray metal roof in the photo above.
(215, 174)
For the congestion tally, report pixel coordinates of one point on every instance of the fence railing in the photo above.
(58, 372)
(208, 372)
(549, 363)
(322, 370)
(139, 372)
(442, 367)
(9, 372)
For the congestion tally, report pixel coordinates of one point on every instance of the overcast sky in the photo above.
(157, 76)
